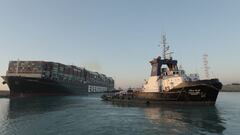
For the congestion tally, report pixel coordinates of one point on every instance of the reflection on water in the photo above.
(4, 109)
(30, 115)
(189, 119)
(40, 105)
(89, 115)
(204, 118)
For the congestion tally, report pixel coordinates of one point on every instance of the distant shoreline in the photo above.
(230, 91)
(4, 93)
(230, 88)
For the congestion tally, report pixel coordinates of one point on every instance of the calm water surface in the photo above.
(88, 115)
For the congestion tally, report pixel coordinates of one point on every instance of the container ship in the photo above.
(170, 84)
(26, 78)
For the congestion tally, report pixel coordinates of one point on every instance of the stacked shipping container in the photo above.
(58, 72)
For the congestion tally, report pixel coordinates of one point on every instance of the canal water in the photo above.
(89, 115)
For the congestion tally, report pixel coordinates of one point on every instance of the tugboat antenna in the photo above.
(205, 64)
(166, 48)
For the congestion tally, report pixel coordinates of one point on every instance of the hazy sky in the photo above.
(120, 37)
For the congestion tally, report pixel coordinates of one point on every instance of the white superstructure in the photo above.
(166, 78)
(164, 82)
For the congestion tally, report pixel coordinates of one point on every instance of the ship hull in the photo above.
(25, 86)
(188, 93)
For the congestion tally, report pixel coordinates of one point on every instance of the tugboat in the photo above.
(170, 84)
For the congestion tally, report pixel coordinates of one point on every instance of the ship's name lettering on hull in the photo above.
(194, 91)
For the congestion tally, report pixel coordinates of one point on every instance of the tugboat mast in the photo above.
(206, 67)
(166, 48)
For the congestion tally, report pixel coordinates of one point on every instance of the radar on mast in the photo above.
(166, 48)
